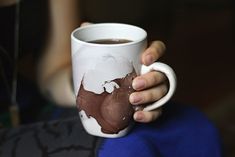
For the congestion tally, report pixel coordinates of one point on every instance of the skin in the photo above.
(54, 68)
(151, 86)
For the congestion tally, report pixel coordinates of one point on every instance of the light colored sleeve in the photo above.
(54, 69)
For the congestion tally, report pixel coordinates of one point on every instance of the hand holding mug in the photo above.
(151, 86)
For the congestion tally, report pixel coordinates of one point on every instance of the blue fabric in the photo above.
(181, 131)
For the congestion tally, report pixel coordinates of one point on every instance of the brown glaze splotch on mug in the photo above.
(112, 111)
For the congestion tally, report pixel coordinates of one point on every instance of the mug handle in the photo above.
(171, 76)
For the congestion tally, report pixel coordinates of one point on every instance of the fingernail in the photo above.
(138, 116)
(149, 59)
(138, 84)
(135, 98)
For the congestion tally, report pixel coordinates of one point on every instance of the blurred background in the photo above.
(200, 40)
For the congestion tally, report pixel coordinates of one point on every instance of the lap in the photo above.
(180, 131)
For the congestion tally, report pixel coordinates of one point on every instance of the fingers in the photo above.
(146, 117)
(156, 87)
(147, 96)
(154, 83)
(148, 80)
(153, 52)
(149, 87)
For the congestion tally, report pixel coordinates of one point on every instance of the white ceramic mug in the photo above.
(103, 73)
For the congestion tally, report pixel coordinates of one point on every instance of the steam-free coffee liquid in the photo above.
(110, 41)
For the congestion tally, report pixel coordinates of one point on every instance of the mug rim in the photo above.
(108, 24)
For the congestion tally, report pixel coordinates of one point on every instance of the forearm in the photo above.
(54, 70)
(58, 88)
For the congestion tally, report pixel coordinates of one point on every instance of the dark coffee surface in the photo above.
(110, 41)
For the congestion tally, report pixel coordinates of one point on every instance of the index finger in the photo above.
(153, 52)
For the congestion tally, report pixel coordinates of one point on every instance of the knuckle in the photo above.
(151, 96)
(156, 77)
(162, 91)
